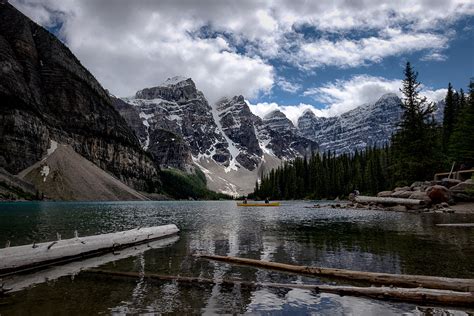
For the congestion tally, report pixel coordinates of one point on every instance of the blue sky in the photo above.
(328, 56)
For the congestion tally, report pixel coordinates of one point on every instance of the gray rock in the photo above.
(384, 194)
(401, 194)
(46, 94)
(420, 196)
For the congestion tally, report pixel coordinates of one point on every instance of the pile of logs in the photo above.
(398, 287)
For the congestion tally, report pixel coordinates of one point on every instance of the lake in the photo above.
(339, 238)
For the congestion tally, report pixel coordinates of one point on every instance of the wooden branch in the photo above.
(387, 200)
(402, 280)
(416, 295)
(20, 258)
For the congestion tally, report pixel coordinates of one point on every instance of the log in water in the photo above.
(413, 295)
(387, 200)
(402, 280)
(14, 259)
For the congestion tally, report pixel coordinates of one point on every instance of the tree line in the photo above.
(419, 148)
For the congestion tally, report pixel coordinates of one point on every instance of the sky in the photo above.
(327, 56)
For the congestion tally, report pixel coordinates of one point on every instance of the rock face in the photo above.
(176, 124)
(46, 94)
(367, 125)
(14, 188)
(65, 175)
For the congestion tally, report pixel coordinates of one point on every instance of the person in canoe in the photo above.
(245, 201)
(267, 201)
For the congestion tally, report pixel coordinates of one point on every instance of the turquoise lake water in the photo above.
(338, 238)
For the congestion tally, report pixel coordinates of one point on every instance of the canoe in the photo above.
(26, 257)
(259, 204)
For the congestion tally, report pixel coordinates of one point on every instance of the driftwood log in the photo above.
(413, 295)
(387, 200)
(20, 258)
(456, 225)
(401, 280)
(20, 281)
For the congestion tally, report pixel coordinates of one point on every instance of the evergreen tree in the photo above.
(449, 115)
(461, 145)
(415, 148)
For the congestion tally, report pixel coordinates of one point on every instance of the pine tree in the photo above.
(461, 145)
(448, 117)
(415, 149)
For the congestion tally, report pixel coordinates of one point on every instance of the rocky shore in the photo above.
(445, 196)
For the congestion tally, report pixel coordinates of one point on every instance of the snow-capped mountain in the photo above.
(367, 125)
(231, 145)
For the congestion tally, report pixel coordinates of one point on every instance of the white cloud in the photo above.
(129, 45)
(343, 95)
(292, 112)
(352, 53)
(288, 86)
(434, 56)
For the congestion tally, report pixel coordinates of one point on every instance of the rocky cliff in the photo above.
(46, 94)
(176, 124)
(367, 125)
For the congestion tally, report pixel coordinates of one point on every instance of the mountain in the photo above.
(226, 141)
(47, 96)
(65, 175)
(367, 125)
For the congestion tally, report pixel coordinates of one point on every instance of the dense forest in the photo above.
(419, 148)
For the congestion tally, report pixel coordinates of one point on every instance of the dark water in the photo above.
(351, 239)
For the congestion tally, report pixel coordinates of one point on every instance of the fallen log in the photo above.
(18, 282)
(388, 200)
(401, 280)
(417, 295)
(456, 225)
(20, 258)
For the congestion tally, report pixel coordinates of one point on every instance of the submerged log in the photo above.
(417, 295)
(456, 225)
(402, 280)
(388, 200)
(14, 259)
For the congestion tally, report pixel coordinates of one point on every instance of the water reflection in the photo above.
(353, 239)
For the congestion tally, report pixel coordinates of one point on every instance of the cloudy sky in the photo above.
(329, 56)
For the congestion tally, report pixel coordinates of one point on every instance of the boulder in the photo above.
(401, 194)
(384, 194)
(401, 189)
(420, 196)
(419, 185)
(438, 193)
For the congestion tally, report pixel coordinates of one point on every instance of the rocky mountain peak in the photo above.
(175, 89)
(277, 121)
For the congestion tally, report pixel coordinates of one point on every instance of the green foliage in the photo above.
(449, 115)
(181, 185)
(327, 176)
(461, 143)
(416, 147)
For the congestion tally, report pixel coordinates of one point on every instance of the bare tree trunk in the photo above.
(387, 200)
(26, 257)
(413, 295)
(403, 280)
